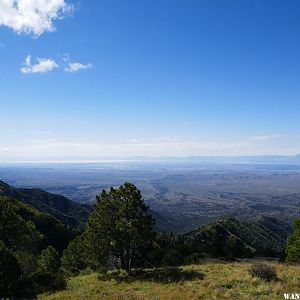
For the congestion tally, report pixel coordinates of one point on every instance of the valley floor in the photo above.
(205, 281)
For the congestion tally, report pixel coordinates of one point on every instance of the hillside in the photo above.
(210, 280)
(264, 236)
(57, 218)
(163, 223)
(63, 209)
(54, 232)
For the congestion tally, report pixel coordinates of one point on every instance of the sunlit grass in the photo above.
(220, 281)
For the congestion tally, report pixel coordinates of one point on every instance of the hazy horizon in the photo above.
(243, 159)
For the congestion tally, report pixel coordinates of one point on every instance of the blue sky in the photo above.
(162, 77)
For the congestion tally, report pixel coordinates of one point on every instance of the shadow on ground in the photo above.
(159, 275)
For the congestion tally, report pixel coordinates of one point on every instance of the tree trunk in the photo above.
(123, 263)
(127, 261)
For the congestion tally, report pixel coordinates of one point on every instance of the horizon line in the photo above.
(117, 159)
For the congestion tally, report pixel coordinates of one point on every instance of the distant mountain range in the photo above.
(243, 159)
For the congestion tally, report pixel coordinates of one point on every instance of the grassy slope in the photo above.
(221, 281)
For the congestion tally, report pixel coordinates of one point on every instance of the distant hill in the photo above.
(261, 236)
(164, 223)
(59, 207)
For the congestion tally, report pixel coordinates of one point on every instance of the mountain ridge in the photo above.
(259, 236)
(63, 209)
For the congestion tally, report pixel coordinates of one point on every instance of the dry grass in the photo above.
(221, 281)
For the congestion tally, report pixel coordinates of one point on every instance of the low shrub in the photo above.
(171, 259)
(263, 271)
(117, 274)
(47, 282)
(161, 275)
(86, 271)
(193, 259)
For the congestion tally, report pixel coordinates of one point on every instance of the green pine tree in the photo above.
(119, 227)
(74, 257)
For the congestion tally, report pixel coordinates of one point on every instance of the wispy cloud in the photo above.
(39, 132)
(75, 67)
(47, 146)
(52, 147)
(32, 16)
(162, 139)
(43, 65)
(264, 137)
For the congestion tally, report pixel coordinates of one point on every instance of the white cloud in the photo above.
(32, 16)
(43, 65)
(74, 67)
